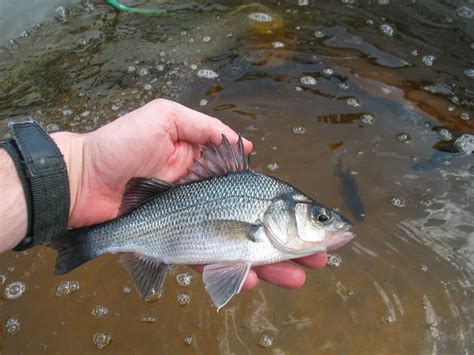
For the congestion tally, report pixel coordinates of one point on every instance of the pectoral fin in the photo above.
(224, 280)
(148, 274)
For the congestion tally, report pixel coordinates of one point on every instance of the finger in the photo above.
(315, 261)
(198, 128)
(249, 283)
(282, 274)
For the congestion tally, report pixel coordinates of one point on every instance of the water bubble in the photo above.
(188, 340)
(278, 44)
(260, 17)
(389, 318)
(428, 60)
(465, 116)
(469, 72)
(343, 86)
(184, 279)
(52, 127)
(303, 2)
(193, 66)
(298, 88)
(465, 12)
(353, 102)
(367, 119)
(423, 267)
(299, 130)
(203, 102)
(67, 112)
(387, 29)
(465, 143)
(162, 54)
(148, 319)
(144, 72)
(183, 33)
(14, 290)
(308, 80)
(12, 326)
(131, 69)
(334, 260)
(183, 298)
(3, 278)
(369, 21)
(206, 39)
(207, 74)
(126, 290)
(147, 87)
(403, 137)
(445, 134)
(99, 311)
(101, 340)
(451, 108)
(383, 2)
(397, 202)
(327, 72)
(414, 52)
(319, 34)
(60, 14)
(265, 341)
(66, 288)
(273, 166)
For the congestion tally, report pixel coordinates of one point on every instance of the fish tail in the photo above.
(73, 249)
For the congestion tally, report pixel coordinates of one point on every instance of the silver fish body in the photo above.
(225, 216)
(198, 223)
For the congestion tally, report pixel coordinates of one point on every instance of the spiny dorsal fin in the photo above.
(218, 161)
(140, 189)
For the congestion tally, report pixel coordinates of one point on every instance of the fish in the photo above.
(221, 214)
(350, 192)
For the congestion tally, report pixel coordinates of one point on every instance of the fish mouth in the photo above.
(339, 239)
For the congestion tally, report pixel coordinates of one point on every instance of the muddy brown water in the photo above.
(371, 127)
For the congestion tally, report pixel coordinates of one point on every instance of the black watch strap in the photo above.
(47, 180)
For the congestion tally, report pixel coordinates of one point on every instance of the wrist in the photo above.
(71, 146)
(14, 221)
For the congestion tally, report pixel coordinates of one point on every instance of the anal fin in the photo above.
(223, 281)
(148, 274)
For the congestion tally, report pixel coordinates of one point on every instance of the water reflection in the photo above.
(341, 135)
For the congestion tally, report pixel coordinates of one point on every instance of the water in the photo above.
(405, 284)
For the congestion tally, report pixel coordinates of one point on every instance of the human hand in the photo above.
(159, 139)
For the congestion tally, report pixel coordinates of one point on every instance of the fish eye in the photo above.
(324, 216)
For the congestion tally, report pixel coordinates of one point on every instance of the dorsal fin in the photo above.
(218, 161)
(139, 189)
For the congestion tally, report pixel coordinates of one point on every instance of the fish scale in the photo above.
(170, 231)
(221, 214)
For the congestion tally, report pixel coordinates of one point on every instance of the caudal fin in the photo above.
(73, 250)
